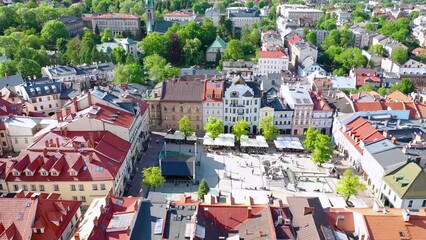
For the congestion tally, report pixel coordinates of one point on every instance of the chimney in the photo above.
(308, 210)
(90, 157)
(386, 134)
(209, 199)
(62, 130)
(206, 213)
(278, 203)
(45, 152)
(67, 111)
(141, 193)
(46, 143)
(136, 206)
(384, 210)
(102, 208)
(66, 131)
(75, 104)
(77, 236)
(20, 194)
(89, 97)
(128, 231)
(406, 215)
(248, 200)
(95, 222)
(393, 140)
(57, 142)
(249, 212)
(230, 200)
(59, 116)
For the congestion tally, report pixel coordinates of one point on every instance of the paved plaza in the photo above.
(245, 174)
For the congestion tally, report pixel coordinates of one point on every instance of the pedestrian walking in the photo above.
(252, 171)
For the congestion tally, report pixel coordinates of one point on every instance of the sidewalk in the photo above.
(148, 159)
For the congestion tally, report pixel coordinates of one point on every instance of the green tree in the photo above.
(106, 35)
(268, 128)
(349, 185)
(8, 68)
(214, 127)
(192, 52)
(233, 51)
(120, 74)
(200, 7)
(322, 152)
(158, 69)
(134, 73)
(72, 53)
(118, 55)
(311, 136)
(406, 86)
(351, 58)
(249, 4)
(61, 45)
(399, 55)
(240, 128)
(332, 39)
(224, 28)
(152, 177)
(203, 189)
(175, 49)
(8, 18)
(29, 68)
(397, 29)
(382, 91)
(220, 6)
(377, 48)
(52, 31)
(185, 126)
(312, 37)
(367, 87)
(8, 46)
(155, 43)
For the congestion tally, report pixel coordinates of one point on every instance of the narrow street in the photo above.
(149, 159)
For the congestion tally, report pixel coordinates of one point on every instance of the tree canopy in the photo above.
(203, 189)
(310, 138)
(214, 127)
(399, 55)
(185, 126)
(54, 30)
(406, 86)
(152, 177)
(349, 185)
(322, 152)
(240, 128)
(268, 128)
(233, 51)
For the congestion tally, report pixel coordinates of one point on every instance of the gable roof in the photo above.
(412, 184)
(272, 54)
(186, 91)
(308, 217)
(397, 96)
(359, 130)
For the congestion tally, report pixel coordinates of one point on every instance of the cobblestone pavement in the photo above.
(149, 159)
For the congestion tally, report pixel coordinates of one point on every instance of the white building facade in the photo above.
(272, 62)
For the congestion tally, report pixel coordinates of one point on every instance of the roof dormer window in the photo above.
(54, 173)
(16, 173)
(73, 173)
(28, 173)
(44, 173)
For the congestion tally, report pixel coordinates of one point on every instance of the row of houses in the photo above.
(237, 98)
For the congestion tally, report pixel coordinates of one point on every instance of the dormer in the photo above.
(55, 218)
(20, 166)
(44, 173)
(54, 172)
(39, 225)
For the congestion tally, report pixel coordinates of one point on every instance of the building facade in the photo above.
(124, 24)
(212, 100)
(74, 25)
(300, 101)
(242, 101)
(272, 62)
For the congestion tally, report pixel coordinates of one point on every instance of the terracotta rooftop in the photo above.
(359, 130)
(293, 39)
(397, 96)
(109, 218)
(340, 219)
(108, 114)
(101, 157)
(319, 102)
(185, 91)
(213, 91)
(365, 75)
(179, 14)
(20, 216)
(272, 54)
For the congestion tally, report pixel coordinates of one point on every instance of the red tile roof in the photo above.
(107, 154)
(111, 115)
(319, 102)
(213, 91)
(142, 104)
(377, 106)
(7, 108)
(340, 219)
(359, 130)
(397, 96)
(21, 214)
(365, 75)
(272, 54)
(293, 39)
